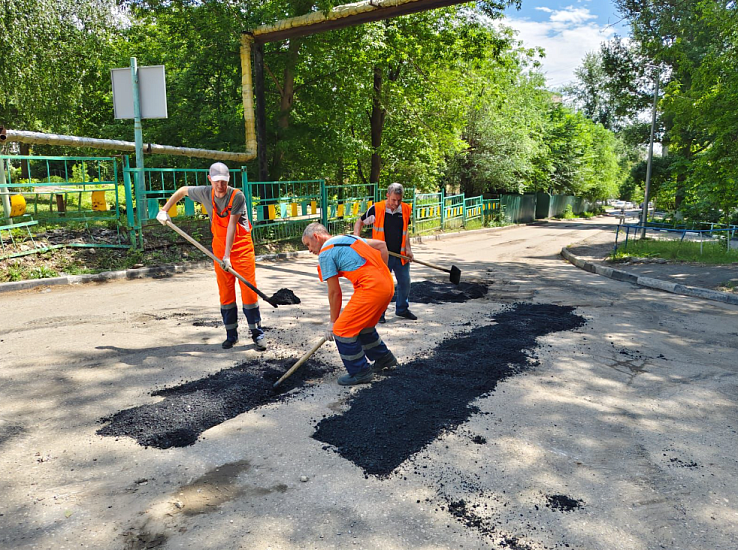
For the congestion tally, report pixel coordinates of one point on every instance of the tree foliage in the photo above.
(695, 44)
(433, 99)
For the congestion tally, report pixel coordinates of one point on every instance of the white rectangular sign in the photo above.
(152, 92)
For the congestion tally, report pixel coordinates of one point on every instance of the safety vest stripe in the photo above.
(352, 357)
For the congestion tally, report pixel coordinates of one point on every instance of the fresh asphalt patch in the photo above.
(191, 408)
(432, 292)
(397, 416)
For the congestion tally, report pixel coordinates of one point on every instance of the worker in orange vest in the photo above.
(389, 220)
(232, 242)
(353, 328)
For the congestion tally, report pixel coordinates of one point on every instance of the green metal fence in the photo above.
(473, 211)
(61, 190)
(280, 210)
(82, 192)
(345, 203)
(427, 213)
(554, 206)
(519, 208)
(453, 211)
(490, 208)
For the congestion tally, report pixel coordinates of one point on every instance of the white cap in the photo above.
(219, 172)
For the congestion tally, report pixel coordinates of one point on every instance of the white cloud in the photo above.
(576, 16)
(566, 36)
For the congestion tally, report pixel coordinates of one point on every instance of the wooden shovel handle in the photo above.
(297, 365)
(396, 255)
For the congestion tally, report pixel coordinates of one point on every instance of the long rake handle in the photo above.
(297, 365)
(396, 255)
(213, 257)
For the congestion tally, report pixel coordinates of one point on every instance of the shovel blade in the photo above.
(455, 275)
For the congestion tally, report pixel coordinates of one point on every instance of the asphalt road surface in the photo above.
(617, 431)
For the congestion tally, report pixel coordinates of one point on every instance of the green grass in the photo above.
(710, 253)
(474, 224)
(729, 286)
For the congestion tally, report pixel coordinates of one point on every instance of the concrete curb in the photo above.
(650, 282)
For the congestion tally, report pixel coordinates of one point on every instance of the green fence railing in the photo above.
(280, 210)
(427, 213)
(83, 193)
(67, 189)
(473, 211)
(344, 204)
(453, 211)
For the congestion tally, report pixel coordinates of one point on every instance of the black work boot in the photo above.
(386, 361)
(231, 339)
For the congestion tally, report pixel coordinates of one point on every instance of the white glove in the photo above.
(225, 263)
(328, 335)
(369, 220)
(163, 217)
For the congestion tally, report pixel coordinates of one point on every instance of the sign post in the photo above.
(143, 211)
(138, 93)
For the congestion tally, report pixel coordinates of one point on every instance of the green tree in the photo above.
(54, 53)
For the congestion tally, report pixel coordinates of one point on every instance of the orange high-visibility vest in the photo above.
(373, 290)
(380, 209)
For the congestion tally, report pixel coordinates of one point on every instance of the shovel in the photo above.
(297, 365)
(455, 272)
(212, 256)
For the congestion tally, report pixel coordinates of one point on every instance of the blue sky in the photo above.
(566, 30)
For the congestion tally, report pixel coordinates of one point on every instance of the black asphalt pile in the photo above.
(397, 416)
(467, 515)
(562, 503)
(430, 292)
(191, 408)
(284, 297)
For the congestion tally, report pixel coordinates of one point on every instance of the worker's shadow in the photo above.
(136, 357)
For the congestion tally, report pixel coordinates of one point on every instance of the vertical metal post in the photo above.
(132, 226)
(141, 205)
(246, 188)
(323, 204)
(4, 191)
(644, 210)
(443, 207)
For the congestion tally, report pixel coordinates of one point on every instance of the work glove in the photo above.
(163, 217)
(225, 263)
(329, 333)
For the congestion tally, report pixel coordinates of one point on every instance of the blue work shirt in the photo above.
(339, 258)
